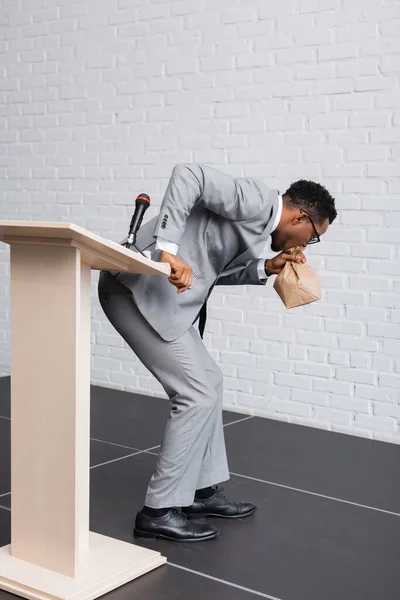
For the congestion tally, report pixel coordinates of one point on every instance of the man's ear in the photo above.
(299, 218)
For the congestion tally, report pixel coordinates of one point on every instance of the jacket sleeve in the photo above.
(192, 185)
(246, 274)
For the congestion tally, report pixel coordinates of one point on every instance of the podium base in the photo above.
(108, 564)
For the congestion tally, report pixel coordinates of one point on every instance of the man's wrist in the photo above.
(266, 269)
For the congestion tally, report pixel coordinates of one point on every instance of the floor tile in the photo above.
(5, 396)
(132, 419)
(163, 583)
(296, 547)
(101, 452)
(128, 419)
(5, 501)
(4, 456)
(5, 528)
(333, 464)
(168, 583)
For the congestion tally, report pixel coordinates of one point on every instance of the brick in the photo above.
(347, 137)
(291, 408)
(237, 344)
(254, 59)
(232, 47)
(292, 381)
(323, 121)
(351, 404)
(186, 66)
(275, 334)
(382, 171)
(313, 369)
(344, 326)
(355, 343)
(247, 125)
(302, 322)
(345, 265)
(381, 363)
(253, 374)
(390, 381)
(374, 393)
(297, 352)
(311, 398)
(295, 55)
(274, 365)
(375, 422)
(352, 102)
(386, 300)
(338, 358)
(365, 314)
(213, 33)
(391, 28)
(383, 330)
(363, 217)
(237, 15)
(374, 83)
(356, 376)
(341, 418)
(268, 391)
(284, 90)
(336, 86)
(392, 219)
(369, 120)
(385, 136)
(384, 267)
(314, 72)
(251, 29)
(332, 386)
(360, 360)
(317, 355)
(231, 383)
(391, 347)
(354, 68)
(384, 235)
(386, 410)
(371, 250)
(221, 63)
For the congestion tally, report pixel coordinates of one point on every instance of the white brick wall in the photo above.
(100, 98)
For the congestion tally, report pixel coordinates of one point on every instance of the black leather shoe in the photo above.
(218, 506)
(173, 526)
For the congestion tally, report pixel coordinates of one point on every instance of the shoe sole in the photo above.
(159, 536)
(193, 516)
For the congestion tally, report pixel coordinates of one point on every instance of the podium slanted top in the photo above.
(96, 251)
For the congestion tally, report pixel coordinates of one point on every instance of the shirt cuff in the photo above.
(170, 247)
(261, 270)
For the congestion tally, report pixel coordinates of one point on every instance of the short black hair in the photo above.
(313, 198)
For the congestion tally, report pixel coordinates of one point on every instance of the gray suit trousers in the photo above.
(192, 454)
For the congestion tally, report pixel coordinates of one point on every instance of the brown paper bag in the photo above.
(297, 284)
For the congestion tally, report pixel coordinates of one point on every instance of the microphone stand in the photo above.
(128, 245)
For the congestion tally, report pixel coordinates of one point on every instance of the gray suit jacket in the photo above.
(221, 224)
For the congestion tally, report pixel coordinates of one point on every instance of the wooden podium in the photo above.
(52, 554)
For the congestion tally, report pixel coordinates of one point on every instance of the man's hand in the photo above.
(276, 264)
(181, 272)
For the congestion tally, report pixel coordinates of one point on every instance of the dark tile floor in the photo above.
(327, 528)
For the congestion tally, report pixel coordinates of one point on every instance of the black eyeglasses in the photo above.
(316, 239)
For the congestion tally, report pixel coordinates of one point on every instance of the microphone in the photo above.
(142, 204)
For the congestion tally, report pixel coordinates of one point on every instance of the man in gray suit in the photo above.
(211, 229)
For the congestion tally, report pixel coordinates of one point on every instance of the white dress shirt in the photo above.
(172, 248)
